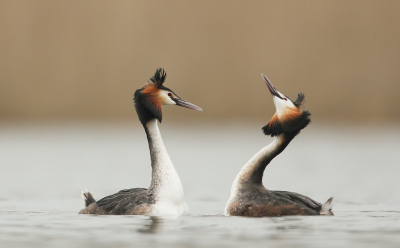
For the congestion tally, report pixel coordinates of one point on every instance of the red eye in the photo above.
(169, 94)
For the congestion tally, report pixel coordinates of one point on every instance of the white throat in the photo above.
(249, 167)
(283, 106)
(165, 182)
(243, 177)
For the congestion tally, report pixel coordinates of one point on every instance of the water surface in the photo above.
(44, 167)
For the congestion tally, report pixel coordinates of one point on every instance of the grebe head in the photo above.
(149, 99)
(289, 117)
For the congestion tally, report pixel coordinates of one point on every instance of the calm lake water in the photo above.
(44, 167)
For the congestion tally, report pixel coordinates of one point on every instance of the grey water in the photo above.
(43, 167)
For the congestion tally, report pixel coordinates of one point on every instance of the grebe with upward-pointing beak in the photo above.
(165, 195)
(248, 195)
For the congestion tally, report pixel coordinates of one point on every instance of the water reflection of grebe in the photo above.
(154, 225)
(248, 195)
(165, 195)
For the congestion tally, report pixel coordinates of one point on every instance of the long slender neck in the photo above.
(252, 172)
(164, 175)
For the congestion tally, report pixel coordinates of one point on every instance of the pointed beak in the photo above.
(183, 103)
(271, 88)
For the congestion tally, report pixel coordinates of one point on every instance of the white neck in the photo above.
(165, 182)
(252, 172)
(256, 165)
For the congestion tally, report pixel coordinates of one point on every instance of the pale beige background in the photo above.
(84, 59)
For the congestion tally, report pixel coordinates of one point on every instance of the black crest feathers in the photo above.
(300, 100)
(159, 77)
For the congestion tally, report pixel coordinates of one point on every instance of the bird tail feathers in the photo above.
(88, 197)
(326, 208)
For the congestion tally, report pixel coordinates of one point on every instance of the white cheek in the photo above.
(165, 99)
(282, 106)
(168, 101)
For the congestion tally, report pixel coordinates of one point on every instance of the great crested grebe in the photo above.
(248, 195)
(165, 194)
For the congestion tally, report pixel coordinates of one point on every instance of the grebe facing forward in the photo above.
(248, 195)
(165, 194)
